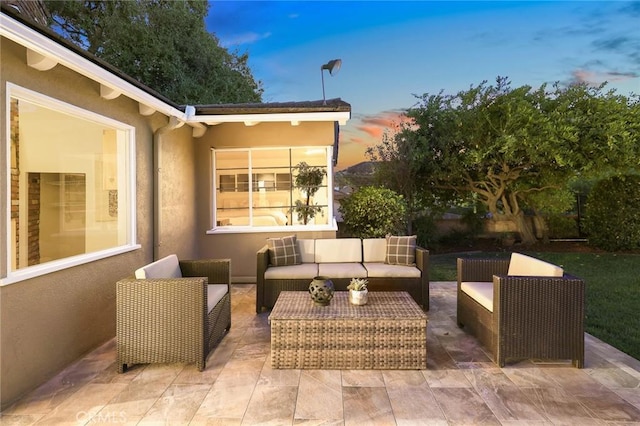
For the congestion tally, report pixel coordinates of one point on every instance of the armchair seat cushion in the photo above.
(342, 270)
(481, 292)
(304, 270)
(384, 270)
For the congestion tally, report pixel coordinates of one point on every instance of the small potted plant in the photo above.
(358, 293)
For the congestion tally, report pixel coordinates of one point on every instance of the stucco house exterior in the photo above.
(101, 175)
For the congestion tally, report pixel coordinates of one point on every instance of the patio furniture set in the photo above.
(518, 308)
(342, 259)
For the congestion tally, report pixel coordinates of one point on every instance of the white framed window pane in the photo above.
(256, 187)
(232, 188)
(71, 182)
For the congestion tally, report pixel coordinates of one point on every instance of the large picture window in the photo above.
(71, 176)
(257, 188)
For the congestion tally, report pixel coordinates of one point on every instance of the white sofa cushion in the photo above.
(384, 270)
(481, 292)
(215, 292)
(342, 270)
(338, 250)
(307, 250)
(522, 265)
(167, 267)
(304, 270)
(374, 249)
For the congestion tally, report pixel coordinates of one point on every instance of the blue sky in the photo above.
(393, 50)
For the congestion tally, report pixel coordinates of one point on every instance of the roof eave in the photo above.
(293, 118)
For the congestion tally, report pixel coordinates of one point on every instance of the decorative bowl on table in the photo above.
(321, 290)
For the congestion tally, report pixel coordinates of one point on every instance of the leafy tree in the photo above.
(373, 212)
(396, 170)
(161, 43)
(505, 144)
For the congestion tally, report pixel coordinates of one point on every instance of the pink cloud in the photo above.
(358, 141)
(376, 125)
(595, 78)
(364, 132)
(372, 130)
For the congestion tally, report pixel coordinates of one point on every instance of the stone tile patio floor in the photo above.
(460, 385)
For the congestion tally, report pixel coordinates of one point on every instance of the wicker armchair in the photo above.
(165, 320)
(533, 317)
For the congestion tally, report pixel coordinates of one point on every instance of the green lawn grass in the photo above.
(612, 306)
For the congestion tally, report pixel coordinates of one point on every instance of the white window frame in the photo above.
(22, 93)
(331, 222)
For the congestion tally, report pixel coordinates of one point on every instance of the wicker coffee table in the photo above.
(389, 332)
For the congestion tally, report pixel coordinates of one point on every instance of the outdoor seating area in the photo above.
(460, 385)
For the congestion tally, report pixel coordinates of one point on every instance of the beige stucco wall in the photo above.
(241, 248)
(48, 322)
(177, 194)
(236, 135)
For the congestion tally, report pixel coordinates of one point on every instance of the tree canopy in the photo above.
(515, 148)
(164, 44)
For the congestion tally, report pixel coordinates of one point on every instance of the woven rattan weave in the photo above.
(389, 332)
(167, 320)
(533, 317)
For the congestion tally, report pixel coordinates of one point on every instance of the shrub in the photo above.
(426, 231)
(374, 212)
(612, 217)
(562, 226)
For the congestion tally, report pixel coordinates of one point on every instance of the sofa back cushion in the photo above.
(523, 265)
(337, 250)
(307, 250)
(167, 267)
(374, 250)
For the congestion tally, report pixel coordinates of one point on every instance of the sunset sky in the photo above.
(393, 50)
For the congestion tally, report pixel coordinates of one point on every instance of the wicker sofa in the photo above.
(342, 259)
(173, 311)
(522, 307)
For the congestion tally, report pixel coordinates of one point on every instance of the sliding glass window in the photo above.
(261, 187)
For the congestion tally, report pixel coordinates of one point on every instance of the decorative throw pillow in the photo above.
(401, 250)
(284, 251)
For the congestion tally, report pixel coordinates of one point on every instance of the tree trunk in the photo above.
(525, 229)
(515, 223)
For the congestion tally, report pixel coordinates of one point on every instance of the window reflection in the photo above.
(69, 180)
(257, 187)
